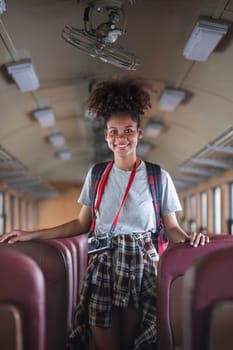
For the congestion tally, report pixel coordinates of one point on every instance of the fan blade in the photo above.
(113, 54)
(119, 56)
(80, 39)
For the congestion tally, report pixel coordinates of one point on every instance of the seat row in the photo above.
(40, 283)
(195, 296)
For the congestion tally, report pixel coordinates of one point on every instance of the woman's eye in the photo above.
(113, 132)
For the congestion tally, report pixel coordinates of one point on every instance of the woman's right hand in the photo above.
(15, 236)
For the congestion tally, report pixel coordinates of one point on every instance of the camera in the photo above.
(98, 244)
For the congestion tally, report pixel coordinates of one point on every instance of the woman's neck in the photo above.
(126, 164)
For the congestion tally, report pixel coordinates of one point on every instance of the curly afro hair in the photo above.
(120, 96)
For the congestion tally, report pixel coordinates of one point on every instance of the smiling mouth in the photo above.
(121, 146)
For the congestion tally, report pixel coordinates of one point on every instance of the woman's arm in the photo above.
(175, 233)
(71, 228)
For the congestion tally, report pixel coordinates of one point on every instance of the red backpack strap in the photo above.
(155, 184)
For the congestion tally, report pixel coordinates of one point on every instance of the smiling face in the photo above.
(122, 134)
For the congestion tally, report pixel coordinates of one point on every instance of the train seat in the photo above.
(55, 262)
(22, 301)
(171, 268)
(67, 254)
(208, 302)
(78, 248)
(82, 255)
(74, 257)
(220, 334)
(11, 326)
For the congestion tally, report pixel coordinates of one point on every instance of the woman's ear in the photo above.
(140, 133)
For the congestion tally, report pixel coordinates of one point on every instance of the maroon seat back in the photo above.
(55, 262)
(67, 254)
(220, 328)
(82, 256)
(74, 258)
(206, 283)
(172, 266)
(11, 327)
(79, 254)
(23, 285)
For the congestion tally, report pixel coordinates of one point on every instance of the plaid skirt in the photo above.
(124, 275)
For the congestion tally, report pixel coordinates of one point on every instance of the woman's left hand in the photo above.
(198, 238)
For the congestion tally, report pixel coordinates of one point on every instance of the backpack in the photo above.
(155, 184)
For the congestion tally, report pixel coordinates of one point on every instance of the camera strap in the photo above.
(100, 191)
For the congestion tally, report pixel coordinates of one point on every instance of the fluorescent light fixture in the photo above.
(143, 148)
(64, 155)
(57, 139)
(204, 38)
(2, 6)
(170, 99)
(45, 117)
(153, 129)
(24, 75)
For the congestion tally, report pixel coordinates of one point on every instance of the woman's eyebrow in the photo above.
(123, 127)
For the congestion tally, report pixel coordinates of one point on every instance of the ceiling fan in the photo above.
(99, 40)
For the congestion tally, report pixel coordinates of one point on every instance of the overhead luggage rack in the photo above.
(212, 160)
(15, 174)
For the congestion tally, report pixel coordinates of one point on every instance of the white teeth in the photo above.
(121, 146)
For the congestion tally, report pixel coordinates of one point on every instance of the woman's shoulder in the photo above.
(164, 172)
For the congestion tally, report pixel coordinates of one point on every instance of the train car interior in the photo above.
(53, 53)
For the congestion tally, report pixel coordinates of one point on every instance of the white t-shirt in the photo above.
(137, 214)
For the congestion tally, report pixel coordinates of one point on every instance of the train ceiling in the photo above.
(145, 39)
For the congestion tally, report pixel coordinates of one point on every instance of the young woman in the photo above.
(118, 298)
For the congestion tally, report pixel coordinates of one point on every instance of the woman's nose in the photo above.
(121, 135)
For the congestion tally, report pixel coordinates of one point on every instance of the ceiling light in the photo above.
(153, 129)
(45, 117)
(204, 38)
(170, 99)
(2, 6)
(57, 139)
(143, 148)
(64, 155)
(24, 75)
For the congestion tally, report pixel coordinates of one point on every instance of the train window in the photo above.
(230, 220)
(217, 213)
(2, 213)
(12, 212)
(192, 221)
(30, 215)
(183, 220)
(203, 211)
(20, 212)
(231, 200)
(183, 204)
